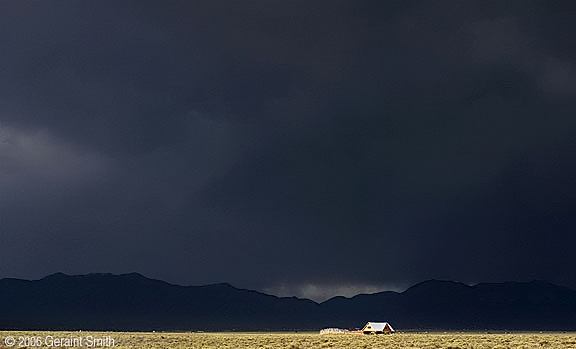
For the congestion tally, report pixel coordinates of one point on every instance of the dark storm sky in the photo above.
(297, 147)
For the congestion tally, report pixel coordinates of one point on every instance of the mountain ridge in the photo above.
(104, 301)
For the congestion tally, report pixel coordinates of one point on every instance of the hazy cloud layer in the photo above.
(304, 148)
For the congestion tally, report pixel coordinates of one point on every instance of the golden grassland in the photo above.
(292, 340)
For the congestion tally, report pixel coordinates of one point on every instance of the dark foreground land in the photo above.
(292, 340)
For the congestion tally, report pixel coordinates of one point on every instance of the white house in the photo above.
(377, 328)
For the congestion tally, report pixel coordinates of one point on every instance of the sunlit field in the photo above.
(283, 340)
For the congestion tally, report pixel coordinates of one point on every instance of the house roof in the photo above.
(379, 326)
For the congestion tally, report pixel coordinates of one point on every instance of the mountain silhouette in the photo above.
(134, 302)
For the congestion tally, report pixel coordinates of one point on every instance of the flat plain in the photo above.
(263, 340)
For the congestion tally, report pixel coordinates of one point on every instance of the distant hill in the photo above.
(438, 305)
(134, 302)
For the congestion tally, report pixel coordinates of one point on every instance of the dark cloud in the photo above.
(288, 146)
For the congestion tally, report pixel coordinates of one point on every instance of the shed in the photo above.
(377, 328)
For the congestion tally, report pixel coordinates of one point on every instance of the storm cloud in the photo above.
(301, 148)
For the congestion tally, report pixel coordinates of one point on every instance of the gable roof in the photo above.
(379, 326)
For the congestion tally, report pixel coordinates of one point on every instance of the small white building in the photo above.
(377, 328)
(333, 331)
